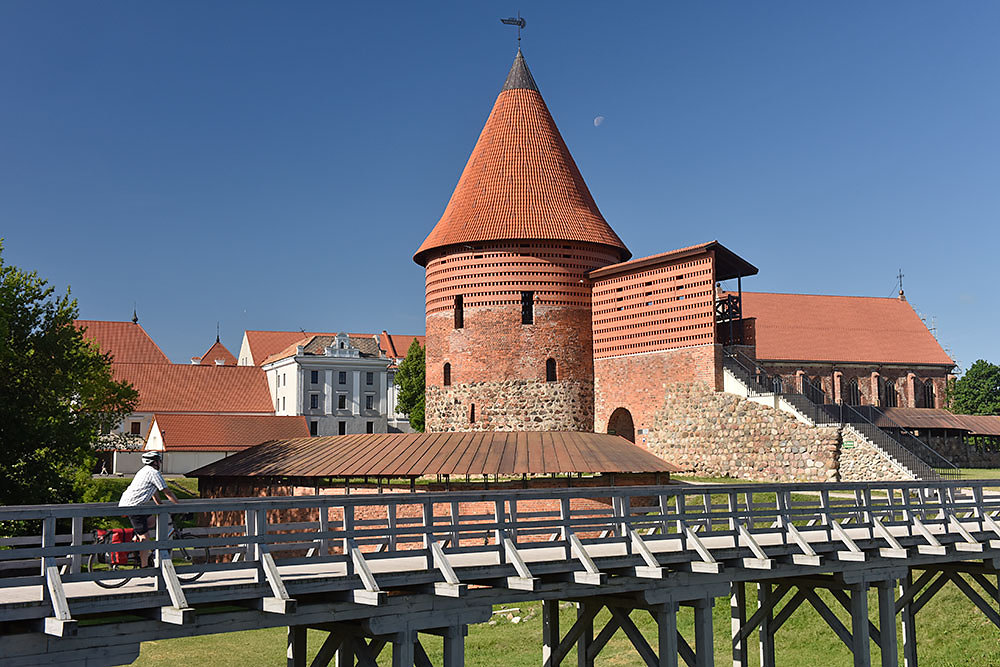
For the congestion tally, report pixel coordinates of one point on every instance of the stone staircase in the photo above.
(757, 384)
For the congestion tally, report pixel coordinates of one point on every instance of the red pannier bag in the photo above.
(119, 536)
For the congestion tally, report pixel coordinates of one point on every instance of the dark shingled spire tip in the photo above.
(519, 76)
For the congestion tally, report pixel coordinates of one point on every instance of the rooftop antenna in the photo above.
(519, 22)
(899, 279)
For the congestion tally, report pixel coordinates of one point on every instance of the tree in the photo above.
(57, 393)
(977, 392)
(411, 377)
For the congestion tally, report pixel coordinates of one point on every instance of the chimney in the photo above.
(220, 362)
(196, 360)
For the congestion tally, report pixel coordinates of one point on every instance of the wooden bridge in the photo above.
(382, 572)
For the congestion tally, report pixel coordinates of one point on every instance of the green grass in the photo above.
(951, 633)
(976, 473)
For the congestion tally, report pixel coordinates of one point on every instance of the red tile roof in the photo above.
(727, 263)
(191, 388)
(521, 181)
(810, 327)
(226, 432)
(218, 351)
(127, 342)
(396, 346)
(416, 454)
(264, 344)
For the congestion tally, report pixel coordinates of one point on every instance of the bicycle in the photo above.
(128, 561)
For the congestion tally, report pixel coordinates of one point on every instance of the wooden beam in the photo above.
(296, 651)
(887, 623)
(592, 574)
(738, 618)
(550, 633)
(907, 616)
(639, 642)
(860, 644)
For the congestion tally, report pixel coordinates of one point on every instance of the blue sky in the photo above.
(274, 165)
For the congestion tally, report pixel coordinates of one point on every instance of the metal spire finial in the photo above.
(135, 315)
(519, 22)
(216, 331)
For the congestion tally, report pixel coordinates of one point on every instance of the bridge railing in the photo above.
(354, 531)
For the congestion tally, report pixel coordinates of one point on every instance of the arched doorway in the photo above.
(621, 424)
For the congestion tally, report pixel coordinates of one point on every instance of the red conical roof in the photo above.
(520, 183)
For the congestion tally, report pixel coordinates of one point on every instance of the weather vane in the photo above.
(519, 22)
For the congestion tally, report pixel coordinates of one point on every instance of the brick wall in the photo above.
(833, 379)
(638, 382)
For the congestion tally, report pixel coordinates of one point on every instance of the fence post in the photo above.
(76, 560)
(428, 512)
(162, 534)
(349, 537)
(48, 540)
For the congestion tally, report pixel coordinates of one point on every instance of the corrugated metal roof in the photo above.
(417, 454)
(928, 418)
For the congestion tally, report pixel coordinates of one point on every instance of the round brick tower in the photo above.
(509, 337)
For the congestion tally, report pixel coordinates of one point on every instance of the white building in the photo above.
(340, 383)
(278, 353)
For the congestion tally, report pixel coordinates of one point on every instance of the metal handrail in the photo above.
(756, 378)
(890, 445)
(819, 413)
(952, 468)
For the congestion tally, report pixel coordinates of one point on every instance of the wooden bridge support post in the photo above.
(550, 632)
(703, 642)
(908, 616)
(666, 631)
(887, 622)
(766, 632)
(454, 645)
(860, 639)
(738, 614)
(586, 639)
(403, 649)
(296, 653)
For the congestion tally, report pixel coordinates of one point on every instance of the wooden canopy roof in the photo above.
(418, 454)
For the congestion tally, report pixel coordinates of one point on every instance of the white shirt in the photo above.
(145, 483)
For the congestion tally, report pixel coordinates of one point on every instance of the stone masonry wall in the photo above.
(511, 405)
(861, 462)
(719, 434)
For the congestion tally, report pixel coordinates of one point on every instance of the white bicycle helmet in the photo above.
(149, 457)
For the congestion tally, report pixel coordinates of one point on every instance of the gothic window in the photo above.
(853, 393)
(929, 394)
(887, 394)
(550, 370)
(447, 375)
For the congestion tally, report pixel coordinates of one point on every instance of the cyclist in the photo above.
(145, 485)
